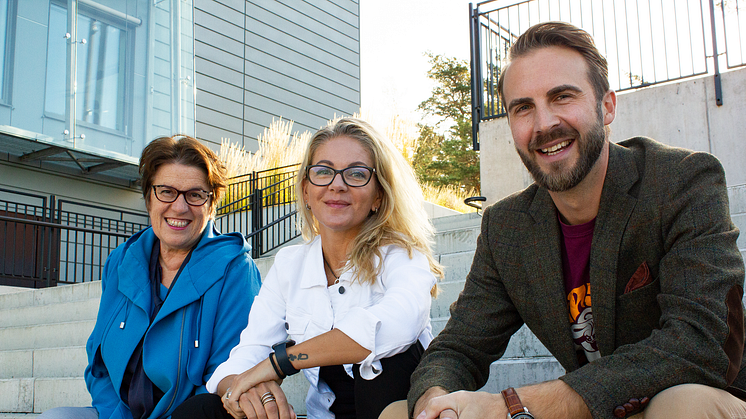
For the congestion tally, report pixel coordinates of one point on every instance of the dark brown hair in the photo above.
(561, 34)
(185, 150)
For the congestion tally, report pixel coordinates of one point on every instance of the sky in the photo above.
(394, 35)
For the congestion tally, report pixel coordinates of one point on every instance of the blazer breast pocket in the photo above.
(637, 310)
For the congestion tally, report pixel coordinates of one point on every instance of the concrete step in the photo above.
(50, 313)
(35, 395)
(523, 344)
(45, 296)
(512, 372)
(456, 240)
(43, 363)
(18, 415)
(454, 222)
(46, 335)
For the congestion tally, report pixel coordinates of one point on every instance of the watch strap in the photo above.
(281, 356)
(513, 401)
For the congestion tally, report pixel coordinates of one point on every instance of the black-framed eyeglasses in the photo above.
(354, 176)
(193, 197)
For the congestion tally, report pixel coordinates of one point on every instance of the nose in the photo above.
(180, 204)
(546, 119)
(338, 182)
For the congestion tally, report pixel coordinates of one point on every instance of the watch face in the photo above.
(522, 415)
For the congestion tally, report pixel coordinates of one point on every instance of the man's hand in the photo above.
(548, 400)
(463, 405)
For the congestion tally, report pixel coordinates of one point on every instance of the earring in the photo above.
(308, 207)
(375, 210)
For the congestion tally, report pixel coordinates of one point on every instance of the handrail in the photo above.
(475, 202)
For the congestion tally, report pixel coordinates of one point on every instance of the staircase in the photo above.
(43, 334)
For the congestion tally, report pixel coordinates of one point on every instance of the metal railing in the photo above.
(263, 204)
(48, 241)
(645, 41)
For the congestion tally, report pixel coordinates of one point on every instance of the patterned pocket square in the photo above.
(639, 279)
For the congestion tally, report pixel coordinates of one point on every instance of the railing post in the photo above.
(256, 223)
(715, 58)
(476, 79)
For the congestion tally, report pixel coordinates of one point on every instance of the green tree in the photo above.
(447, 158)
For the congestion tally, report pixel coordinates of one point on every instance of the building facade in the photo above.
(86, 84)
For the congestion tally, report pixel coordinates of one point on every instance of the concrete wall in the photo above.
(682, 114)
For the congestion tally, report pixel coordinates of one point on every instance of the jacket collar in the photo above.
(209, 261)
(544, 256)
(313, 266)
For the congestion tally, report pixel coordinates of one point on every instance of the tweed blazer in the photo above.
(663, 207)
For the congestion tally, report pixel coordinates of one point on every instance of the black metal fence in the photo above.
(46, 241)
(645, 41)
(262, 203)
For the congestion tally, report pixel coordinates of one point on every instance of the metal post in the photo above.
(256, 223)
(476, 79)
(715, 58)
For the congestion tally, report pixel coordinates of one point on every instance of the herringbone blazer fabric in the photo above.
(662, 206)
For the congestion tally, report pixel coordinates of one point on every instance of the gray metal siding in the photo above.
(259, 60)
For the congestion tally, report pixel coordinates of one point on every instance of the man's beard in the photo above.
(560, 179)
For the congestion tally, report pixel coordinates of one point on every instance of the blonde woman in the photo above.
(350, 307)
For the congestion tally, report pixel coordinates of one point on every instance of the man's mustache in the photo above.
(541, 140)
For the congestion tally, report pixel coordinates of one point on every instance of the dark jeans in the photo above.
(370, 396)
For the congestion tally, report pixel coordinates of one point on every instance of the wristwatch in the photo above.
(516, 409)
(281, 356)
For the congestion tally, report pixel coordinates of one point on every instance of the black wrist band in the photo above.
(275, 367)
(281, 356)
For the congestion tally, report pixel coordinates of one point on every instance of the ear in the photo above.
(608, 107)
(379, 197)
(304, 186)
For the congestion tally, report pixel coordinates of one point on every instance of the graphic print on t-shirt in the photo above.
(581, 319)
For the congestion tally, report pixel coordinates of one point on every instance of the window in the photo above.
(101, 68)
(6, 19)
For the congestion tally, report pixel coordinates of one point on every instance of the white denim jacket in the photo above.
(385, 318)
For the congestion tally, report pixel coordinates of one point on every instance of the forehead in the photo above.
(532, 75)
(342, 151)
(180, 176)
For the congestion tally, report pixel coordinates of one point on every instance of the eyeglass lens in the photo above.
(168, 194)
(352, 176)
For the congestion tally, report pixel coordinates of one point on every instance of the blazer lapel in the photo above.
(614, 212)
(543, 261)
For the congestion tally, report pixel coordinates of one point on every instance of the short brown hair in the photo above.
(182, 149)
(561, 34)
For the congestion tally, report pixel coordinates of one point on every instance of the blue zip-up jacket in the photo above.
(198, 325)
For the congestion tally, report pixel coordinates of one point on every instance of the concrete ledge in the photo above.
(58, 294)
(455, 241)
(453, 222)
(457, 265)
(17, 395)
(60, 362)
(16, 364)
(56, 392)
(506, 373)
(50, 313)
(296, 389)
(46, 336)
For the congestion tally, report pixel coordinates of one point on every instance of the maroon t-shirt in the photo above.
(576, 253)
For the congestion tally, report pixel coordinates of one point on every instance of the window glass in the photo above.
(3, 43)
(100, 75)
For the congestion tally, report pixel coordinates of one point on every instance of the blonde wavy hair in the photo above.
(400, 220)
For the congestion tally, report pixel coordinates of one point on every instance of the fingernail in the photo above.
(421, 415)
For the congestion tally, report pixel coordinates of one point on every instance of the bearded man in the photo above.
(642, 228)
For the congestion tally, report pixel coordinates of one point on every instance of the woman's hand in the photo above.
(264, 401)
(260, 373)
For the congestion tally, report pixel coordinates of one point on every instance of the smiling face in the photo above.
(338, 207)
(556, 121)
(178, 225)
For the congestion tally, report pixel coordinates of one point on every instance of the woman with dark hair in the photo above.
(351, 306)
(175, 296)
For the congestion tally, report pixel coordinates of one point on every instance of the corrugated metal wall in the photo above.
(257, 60)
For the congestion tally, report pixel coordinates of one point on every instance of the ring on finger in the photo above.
(267, 397)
